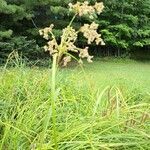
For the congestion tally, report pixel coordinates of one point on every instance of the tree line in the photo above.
(124, 25)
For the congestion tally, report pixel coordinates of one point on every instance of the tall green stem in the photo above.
(52, 108)
(53, 88)
(53, 102)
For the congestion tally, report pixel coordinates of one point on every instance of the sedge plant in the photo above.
(60, 51)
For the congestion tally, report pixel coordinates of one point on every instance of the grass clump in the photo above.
(104, 107)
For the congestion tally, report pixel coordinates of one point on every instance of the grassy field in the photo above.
(104, 105)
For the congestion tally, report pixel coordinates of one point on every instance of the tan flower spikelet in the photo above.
(66, 60)
(51, 46)
(84, 8)
(90, 33)
(85, 54)
(69, 34)
(71, 47)
(45, 32)
(89, 59)
(99, 7)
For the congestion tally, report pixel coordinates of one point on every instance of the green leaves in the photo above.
(5, 34)
(121, 30)
(125, 23)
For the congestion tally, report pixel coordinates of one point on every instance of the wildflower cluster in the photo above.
(68, 39)
(45, 32)
(69, 35)
(90, 33)
(51, 46)
(84, 54)
(85, 9)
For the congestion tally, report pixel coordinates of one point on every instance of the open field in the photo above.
(104, 105)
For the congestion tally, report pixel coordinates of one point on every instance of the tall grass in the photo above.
(88, 116)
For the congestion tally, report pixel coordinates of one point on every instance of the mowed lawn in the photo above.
(102, 105)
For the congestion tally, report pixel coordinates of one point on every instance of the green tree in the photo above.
(124, 24)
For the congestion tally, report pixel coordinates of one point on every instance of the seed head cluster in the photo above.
(51, 46)
(68, 39)
(86, 9)
(70, 35)
(46, 31)
(90, 33)
(66, 60)
(85, 54)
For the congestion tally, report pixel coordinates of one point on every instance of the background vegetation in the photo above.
(124, 24)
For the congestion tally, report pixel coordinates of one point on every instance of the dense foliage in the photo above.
(124, 24)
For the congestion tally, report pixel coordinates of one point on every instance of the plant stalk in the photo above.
(54, 97)
(52, 109)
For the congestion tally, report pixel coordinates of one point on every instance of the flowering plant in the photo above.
(61, 51)
(69, 34)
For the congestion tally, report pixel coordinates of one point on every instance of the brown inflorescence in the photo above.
(90, 33)
(86, 9)
(69, 34)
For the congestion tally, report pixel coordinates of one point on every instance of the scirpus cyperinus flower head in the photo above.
(70, 35)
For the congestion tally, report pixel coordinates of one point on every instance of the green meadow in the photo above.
(102, 105)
